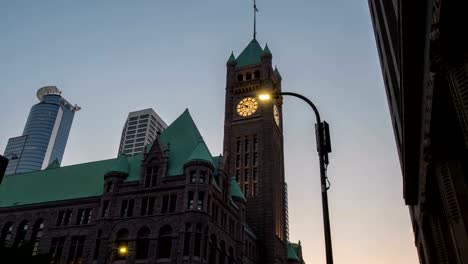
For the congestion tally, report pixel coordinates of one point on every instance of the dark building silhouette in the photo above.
(423, 53)
(174, 202)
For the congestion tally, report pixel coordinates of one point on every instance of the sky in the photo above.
(112, 57)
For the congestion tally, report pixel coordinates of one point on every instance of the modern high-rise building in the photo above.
(45, 134)
(425, 68)
(140, 129)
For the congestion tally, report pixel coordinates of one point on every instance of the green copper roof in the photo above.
(251, 55)
(292, 252)
(182, 137)
(266, 50)
(277, 73)
(231, 58)
(86, 180)
(55, 164)
(236, 191)
(56, 184)
(201, 153)
(120, 165)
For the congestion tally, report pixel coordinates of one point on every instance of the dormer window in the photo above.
(151, 176)
(257, 74)
(240, 77)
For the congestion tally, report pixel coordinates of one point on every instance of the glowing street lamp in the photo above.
(323, 148)
(123, 250)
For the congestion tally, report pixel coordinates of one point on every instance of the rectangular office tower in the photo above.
(140, 129)
(423, 55)
(45, 134)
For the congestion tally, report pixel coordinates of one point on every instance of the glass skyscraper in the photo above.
(45, 134)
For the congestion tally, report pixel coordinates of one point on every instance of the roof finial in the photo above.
(255, 20)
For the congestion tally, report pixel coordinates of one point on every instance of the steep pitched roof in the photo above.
(183, 138)
(53, 165)
(277, 73)
(236, 192)
(201, 153)
(251, 55)
(56, 184)
(292, 252)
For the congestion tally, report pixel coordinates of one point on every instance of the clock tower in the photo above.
(253, 146)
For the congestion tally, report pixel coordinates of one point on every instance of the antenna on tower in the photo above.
(255, 19)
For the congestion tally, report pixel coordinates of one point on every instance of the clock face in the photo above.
(247, 106)
(276, 115)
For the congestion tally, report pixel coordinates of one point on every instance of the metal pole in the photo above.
(323, 177)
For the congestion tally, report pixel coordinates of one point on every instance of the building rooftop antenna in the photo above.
(255, 19)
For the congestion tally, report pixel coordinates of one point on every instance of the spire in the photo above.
(255, 20)
(251, 55)
(232, 59)
(266, 50)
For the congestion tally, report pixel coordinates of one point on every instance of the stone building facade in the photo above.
(174, 202)
(424, 62)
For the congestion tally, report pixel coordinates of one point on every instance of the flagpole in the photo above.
(255, 20)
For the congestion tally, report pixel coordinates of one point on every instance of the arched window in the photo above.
(21, 233)
(222, 253)
(257, 74)
(7, 232)
(165, 242)
(142, 243)
(188, 232)
(248, 76)
(240, 77)
(198, 238)
(213, 248)
(121, 241)
(38, 230)
(231, 256)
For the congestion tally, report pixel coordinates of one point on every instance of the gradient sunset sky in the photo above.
(112, 57)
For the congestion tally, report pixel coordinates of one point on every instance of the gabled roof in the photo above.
(231, 59)
(251, 55)
(236, 192)
(292, 252)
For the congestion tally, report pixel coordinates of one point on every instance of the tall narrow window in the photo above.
(165, 242)
(38, 231)
(165, 204)
(246, 160)
(246, 189)
(202, 177)
(109, 186)
(21, 233)
(200, 200)
(131, 206)
(190, 200)
(237, 175)
(198, 238)
(67, 218)
(151, 205)
(123, 208)
(193, 176)
(238, 145)
(7, 232)
(246, 175)
(213, 249)
(173, 203)
(188, 231)
(222, 253)
(80, 217)
(208, 204)
(88, 215)
(122, 241)
(255, 143)
(246, 145)
(105, 209)
(60, 218)
(97, 245)
(75, 252)
(231, 256)
(56, 249)
(151, 176)
(144, 206)
(255, 159)
(238, 161)
(142, 243)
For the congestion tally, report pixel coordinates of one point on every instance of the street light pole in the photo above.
(323, 148)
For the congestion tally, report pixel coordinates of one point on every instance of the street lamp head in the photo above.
(264, 97)
(123, 250)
